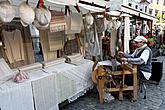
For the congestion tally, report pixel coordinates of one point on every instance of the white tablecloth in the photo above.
(44, 92)
(48, 87)
(16, 96)
(72, 80)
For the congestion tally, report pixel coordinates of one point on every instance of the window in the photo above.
(157, 1)
(136, 6)
(162, 15)
(164, 2)
(156, 12)
(130, 4)
(145, 8)
(150, 11)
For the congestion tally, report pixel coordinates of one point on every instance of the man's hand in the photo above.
(124, 60)
(120, 53)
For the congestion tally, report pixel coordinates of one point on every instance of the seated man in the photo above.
(142, 56)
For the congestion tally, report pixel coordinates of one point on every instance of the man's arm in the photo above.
(128, 55)
(137, 61)
(142, 59)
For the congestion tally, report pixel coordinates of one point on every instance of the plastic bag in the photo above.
(21, 77)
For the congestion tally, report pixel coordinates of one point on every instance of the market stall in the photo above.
(54, 48)
(58, 32)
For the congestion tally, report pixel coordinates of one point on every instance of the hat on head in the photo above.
(140, 38)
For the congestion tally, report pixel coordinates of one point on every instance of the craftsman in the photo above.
(142, 56)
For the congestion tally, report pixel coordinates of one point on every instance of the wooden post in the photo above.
(101, 83)
(134, 82)
(120, 95)
(101, 89)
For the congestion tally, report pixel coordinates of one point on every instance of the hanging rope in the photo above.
(27, 1)
(77, 8)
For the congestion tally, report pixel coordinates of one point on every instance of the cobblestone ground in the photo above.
(155, 99)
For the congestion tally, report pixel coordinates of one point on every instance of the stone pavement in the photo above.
(155, 99)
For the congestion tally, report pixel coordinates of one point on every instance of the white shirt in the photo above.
(145, 56)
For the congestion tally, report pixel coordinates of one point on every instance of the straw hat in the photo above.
(43, 15)
(40, 27)
(24, 24)
(89, 19)
(7, 11)
(26, 13)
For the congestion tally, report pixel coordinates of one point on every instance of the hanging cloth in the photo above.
(126, 34)
(74, 23)
(57, 22)
(95, 47)
(13, 45)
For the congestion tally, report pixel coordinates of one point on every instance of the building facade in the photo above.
(157, 8)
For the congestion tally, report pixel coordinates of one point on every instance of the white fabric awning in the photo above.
(85, 8)
(64, 2)
(59, 5)
(114, 13)
(97, 2)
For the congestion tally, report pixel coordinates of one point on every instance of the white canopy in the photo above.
(60, 5)
(84, 8)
